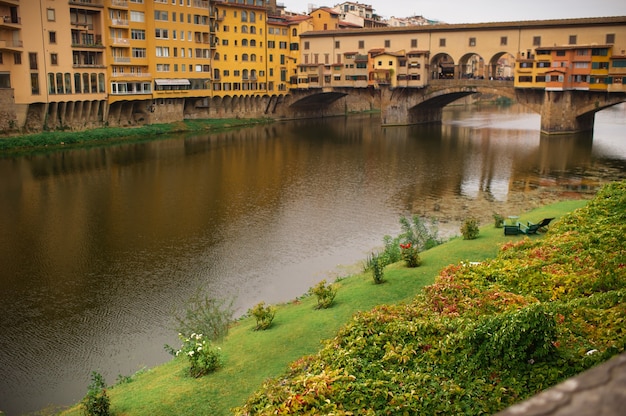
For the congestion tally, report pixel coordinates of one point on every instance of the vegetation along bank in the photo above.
(506, 317)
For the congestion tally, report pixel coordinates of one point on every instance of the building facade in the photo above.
(81, 64)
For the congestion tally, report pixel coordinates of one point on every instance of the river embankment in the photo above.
(252, 356)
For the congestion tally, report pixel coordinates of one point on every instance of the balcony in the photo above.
(119, 22)
(201, 4)
(10, 21)
(11, 45)
(119, 4)
(87, 3)
(120, 42)
(121, 59)
(131, 75)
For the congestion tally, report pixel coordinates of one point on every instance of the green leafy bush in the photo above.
(325, 294)
(203, 357)
(96, 402)
(418, 234)
(205, 315)
(264, 315)
(469, 229)
(378, 270)
(498, 220)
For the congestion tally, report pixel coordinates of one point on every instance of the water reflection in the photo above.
(98, 245)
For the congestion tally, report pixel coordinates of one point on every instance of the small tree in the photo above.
(325, 294)
(96, 402)
(498, 220)
(378, 271)
(469, 229)
(264, 315)
(205, 315)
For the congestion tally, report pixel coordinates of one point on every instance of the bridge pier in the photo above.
(563, 112)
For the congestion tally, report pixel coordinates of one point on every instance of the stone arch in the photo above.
(502, 66)
(442, 66)
(472, 66)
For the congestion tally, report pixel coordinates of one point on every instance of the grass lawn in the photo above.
(252, 356)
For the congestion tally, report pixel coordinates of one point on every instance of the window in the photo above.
(161, 33)
(387, 43)
(51, 15)
(413, 43)
(54, 59)
(619, 63)
(139, 52)
(160, 15)
(34, 83)
(610, 38)
(163, 67)
(162, 51)
(472, 41)
(306, 45)
(52, 37)
(337, 44)
(138, 34)
(32, 60)
(536, 40)
(572, 39)
(442, 42)
(503, 40)
(137, 16)
(17, 58)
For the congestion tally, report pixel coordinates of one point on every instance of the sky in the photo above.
(479, 11)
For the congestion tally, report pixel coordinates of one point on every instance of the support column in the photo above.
(558, 113)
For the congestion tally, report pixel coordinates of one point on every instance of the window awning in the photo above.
(172, 81)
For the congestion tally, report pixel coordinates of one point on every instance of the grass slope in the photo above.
(251, 357)
(482, 337)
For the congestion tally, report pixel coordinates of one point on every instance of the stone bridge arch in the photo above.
(403, 106)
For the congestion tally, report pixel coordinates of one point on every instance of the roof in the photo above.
(443, 27)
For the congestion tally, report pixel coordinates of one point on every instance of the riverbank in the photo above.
(250, 356)
(51, 141)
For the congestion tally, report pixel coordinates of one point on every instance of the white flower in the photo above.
(190, 353)
(199, 349)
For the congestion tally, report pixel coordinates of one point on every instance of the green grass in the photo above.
(55, 140)
(251, 356)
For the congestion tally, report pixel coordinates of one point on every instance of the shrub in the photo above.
(498, 220)
(378, 271)
(325, 294)
(96, 402)
(203, 357)
(264, 315)
(205, 315)
(410, 255)
(418, 234)
(469, 229)
(512, 338)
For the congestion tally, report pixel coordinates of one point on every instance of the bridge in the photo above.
(565, 70)
(561, 111)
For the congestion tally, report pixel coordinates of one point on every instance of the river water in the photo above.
(99, 245)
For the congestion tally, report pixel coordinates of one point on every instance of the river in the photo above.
(98, 246)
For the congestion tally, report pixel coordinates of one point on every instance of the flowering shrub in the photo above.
(325, 294)
(410, 255)
(203, 357)
(264, 315)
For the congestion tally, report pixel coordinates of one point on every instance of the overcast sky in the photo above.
(479, 11)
